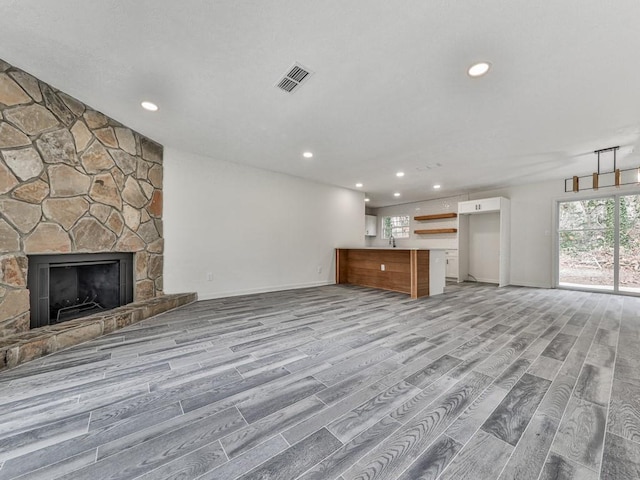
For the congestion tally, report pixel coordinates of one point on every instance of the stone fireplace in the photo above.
(74, 182)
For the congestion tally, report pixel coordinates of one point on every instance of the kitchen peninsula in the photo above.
(416, 271)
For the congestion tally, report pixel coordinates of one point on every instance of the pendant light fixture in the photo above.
(601, 178)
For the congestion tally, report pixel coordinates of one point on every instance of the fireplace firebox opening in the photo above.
(68, 286)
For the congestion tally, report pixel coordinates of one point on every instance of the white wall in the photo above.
(254, 230)
(428, 207)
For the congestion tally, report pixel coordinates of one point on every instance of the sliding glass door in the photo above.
(629, 239)
(599, 243)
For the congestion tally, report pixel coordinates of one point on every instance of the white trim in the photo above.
(624, 293)
(529, 284)
(279, 288)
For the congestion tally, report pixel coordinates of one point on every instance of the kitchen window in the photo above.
(398, 226)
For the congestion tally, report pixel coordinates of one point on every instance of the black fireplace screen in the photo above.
(64, 287)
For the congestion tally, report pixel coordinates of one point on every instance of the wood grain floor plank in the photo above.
(57, 453)
(601, 355)
(510, 376)
(257, 408)
(215, 394)
(504, 357)
(147, 456)
(248, 460)
(574, 361)
(427, 396)
(558, 467)
(511, 417)
(191, 465)
(115, 440)
(129, 407)
(340, 371)
(370, 412)
(476, 414)
(396, 454)
(627, 369)
(594, 384)
(41, 437)
(560, 346)
(297, 459)
(605, 337)
(433, 371)
(248, 437)
(621, 459)
(581, 433)
(352, 451)
(433, 460)
(545, 367)
(483, 457)
(558, 395)
(624, 410)
(347, 386)
(56, 470)
(528, 458)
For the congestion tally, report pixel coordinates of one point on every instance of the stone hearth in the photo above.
(72, 180)
(27, 346)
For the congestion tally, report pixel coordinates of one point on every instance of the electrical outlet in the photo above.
(209, 276)
(319, 268)
(382, 267)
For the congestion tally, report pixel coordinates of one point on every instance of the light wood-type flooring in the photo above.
(341, 382)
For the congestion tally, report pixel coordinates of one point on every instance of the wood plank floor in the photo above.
(341, 382)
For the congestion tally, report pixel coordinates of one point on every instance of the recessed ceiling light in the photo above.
(400, 174)
(307, 154)
(152, 107)
(436, 186)
(478, 69)
(397, 194)
(366, 199)
(358, 185)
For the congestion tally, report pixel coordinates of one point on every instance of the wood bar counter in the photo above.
(417, 272)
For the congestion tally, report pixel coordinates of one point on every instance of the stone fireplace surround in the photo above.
(72, 180)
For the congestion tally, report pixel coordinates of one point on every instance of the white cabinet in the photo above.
(451, 257)
(484, 240)
(370, 225)
(480, 206)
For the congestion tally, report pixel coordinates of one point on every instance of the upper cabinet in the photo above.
(480, 206)
(370, 225)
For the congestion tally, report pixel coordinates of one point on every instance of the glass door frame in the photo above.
(616, 247)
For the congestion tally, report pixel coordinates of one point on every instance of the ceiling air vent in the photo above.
(293, 78)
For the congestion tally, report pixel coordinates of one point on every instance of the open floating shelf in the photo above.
(437, 216)
(435, 230)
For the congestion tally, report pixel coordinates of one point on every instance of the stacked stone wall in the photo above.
(72, 180)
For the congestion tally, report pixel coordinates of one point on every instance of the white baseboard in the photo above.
(530, 284)
(279, 288)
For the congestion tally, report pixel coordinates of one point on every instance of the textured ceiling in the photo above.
(389, 90)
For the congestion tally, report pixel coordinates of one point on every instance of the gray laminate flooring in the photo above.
(341, 382)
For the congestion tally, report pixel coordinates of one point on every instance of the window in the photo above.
(397, 226)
